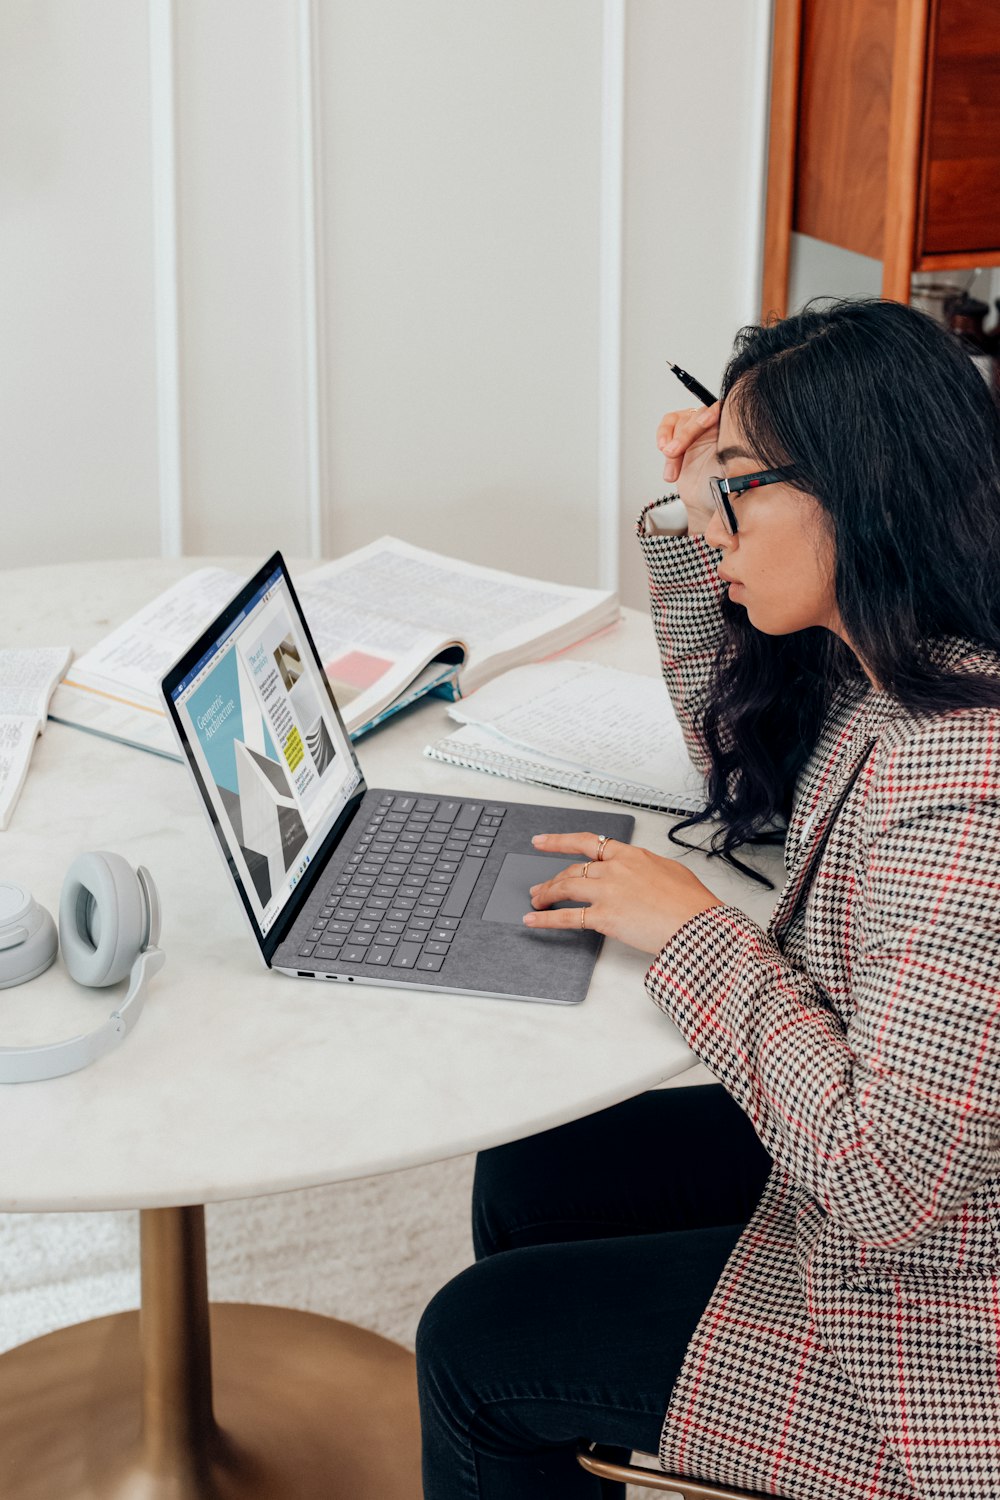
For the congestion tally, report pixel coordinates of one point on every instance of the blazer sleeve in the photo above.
(891, 1122)
(684, 595)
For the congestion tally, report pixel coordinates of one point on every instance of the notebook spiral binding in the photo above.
(496, 763)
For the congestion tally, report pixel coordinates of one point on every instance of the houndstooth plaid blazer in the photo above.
(852, 1346)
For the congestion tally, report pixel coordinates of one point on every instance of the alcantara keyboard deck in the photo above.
(400, 898)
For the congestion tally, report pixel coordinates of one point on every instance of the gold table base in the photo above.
(183, 1402)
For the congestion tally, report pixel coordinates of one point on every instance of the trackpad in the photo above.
(511, 896)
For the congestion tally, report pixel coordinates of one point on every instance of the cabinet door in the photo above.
(961, 207)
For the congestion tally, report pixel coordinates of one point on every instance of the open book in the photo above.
(27, 677)
(391, 621)
(580, 727)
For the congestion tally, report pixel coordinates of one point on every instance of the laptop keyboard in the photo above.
(400, 899)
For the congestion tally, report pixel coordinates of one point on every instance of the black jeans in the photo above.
(597, 1247)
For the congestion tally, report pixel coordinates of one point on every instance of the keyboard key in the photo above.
(351, 903)
(404, 903)
(437, 827)
(469, 815)
(359, 939)
(364, 924)
(430, 962)
(378, 956)
(434, 947)
(385, 801)
(425, 857)
(451, 922)
(414, 935)
(440, 934)
(374, 907)
(475, 852)
(354, 953)
(460, 836)
(306, 951)
(427, 907)
(435, 890)
(396, 867)
(392, 926)
(422, 923)
(447, 811)
(496, 812)
(338, 925)
(426, 805)
(449, 866)
(457, 899)
(328, 953)
(386, 940)
(405, 955)
(484, 840)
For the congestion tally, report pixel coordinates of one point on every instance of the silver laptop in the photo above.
(340, 881)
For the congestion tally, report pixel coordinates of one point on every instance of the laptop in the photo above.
(344, 882)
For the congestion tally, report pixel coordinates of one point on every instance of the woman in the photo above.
(800, 1265)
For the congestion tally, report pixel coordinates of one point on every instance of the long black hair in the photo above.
(880, 415)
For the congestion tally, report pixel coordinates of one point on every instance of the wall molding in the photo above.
(310, 135)
(609, 420)
(166, 295)
(758, 132)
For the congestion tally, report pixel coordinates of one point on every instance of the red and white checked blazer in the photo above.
(851, 1350)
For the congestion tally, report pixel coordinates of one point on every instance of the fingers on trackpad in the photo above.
(510, 897)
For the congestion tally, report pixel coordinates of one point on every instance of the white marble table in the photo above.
(239, 1082)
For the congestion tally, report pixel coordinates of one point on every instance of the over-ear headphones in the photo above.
(109, 926)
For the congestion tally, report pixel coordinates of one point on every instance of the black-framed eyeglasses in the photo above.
(723, 488)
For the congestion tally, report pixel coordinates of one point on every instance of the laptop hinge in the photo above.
(317, 866)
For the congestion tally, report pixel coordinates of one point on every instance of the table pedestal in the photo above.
(184, 1402)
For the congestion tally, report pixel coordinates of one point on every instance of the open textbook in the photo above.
(391, 621)
(27, 678)
(580, 727)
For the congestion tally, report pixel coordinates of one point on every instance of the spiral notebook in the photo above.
(578, 727)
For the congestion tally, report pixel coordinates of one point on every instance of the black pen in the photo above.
(694, 386)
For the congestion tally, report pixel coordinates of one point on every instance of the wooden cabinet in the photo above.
(885, 135)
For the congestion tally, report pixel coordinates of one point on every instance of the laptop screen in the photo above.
(261, 731)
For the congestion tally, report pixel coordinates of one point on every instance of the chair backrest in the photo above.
(591, 1458)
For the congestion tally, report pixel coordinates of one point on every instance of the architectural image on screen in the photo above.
(250, 781)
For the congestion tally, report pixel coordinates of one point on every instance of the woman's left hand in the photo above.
(634, 895)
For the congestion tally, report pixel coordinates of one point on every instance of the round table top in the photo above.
(240, 1081)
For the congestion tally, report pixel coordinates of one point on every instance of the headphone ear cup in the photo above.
(103, 918)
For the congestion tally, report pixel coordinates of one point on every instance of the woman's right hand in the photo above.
(688, 440)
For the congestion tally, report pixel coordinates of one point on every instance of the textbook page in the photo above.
(391, 592)
(599, 721)
(114, 689)
(27, 678)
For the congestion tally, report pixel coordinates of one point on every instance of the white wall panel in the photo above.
(693, 202)
(480, 303)
(77, 390)
(243, 377)
(462, 191)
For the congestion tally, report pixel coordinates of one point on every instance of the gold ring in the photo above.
(586, 869)
(604, 839)
(583, 918)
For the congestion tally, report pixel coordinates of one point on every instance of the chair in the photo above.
(590, 1457)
